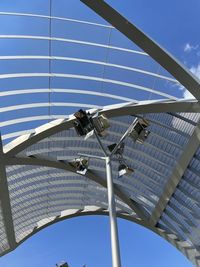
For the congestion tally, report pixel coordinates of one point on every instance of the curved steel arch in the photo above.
(53, 17)
(67, 91)
(95, 171)
(82, 60)
(74, 41)
(191, 253)
(18, 145)
(89, 78)
(161, 219)
(12, 150)
(67, 167)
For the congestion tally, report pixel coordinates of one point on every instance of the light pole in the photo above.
(112, 215)
(112, 210)
(87, 125)
(116, 260)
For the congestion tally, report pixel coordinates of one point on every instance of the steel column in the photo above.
(5, 201)
(112, 215)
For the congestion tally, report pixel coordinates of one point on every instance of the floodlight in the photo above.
(64, 265)
(139, 132)
(101, 123)
(120, 149)
(86, 123)
(124, 169)
(83, 123)
(143, 136)
(81, 165)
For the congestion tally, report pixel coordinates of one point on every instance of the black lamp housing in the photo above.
(140, 133)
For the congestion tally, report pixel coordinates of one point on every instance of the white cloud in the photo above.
(187, 94)
(188, 47)
(196, 71)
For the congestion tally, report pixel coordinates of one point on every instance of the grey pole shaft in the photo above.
(112, 215)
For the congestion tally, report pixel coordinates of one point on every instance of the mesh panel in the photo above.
(49, 75)
(184, 204)
(153, 161)
(3, 236)
(40, 193)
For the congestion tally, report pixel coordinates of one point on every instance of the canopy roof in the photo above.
(53, 66)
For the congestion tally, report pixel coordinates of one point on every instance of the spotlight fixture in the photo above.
(139, 132)
(81, 165)
(120, 149)
(64, 264)
(124, 169)
(101, 123)
(86, 123)
(83, 123)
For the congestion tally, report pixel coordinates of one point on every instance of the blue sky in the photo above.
(176, 31)
(173, 24)
(86, 241)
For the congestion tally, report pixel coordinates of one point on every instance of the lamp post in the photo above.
(112, 210)
(88, 125)
(112, 215)
(116, 260)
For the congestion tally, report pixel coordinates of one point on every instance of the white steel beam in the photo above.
(19, 14)
(64, 91)
(89, 61)
(89, 78)
(56, 126)
(73, 41)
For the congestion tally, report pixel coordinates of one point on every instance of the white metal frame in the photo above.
(9, 153)
(11, 150)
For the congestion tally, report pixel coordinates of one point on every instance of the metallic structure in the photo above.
(51, 73)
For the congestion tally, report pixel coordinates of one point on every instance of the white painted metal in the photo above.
(55, 18)
(91, 62)
(111, 111)
(47, 104)
(89, 78)
(66, 91)
(112, 215)
(31, 37)
(144, 189)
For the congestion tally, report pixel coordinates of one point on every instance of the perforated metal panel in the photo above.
(52, 72)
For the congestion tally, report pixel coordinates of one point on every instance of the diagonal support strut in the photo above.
(5, 201)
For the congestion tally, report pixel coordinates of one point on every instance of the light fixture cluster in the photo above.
(86, 124)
